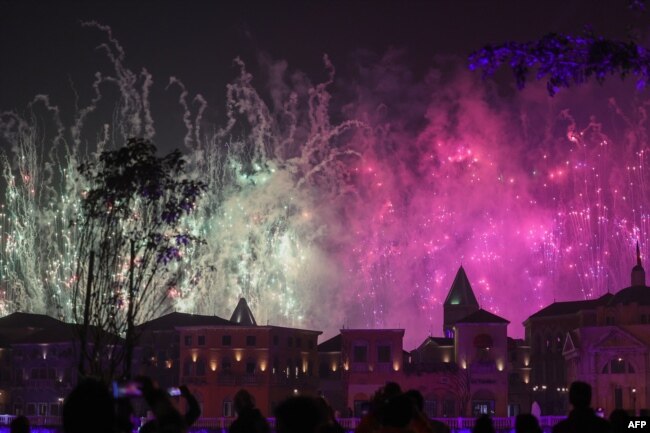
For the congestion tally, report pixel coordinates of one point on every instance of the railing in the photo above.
(222, 424)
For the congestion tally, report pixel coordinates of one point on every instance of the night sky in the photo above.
(539, 198)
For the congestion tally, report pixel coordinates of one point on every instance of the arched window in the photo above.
(618, 366)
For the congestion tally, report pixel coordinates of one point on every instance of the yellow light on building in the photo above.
(213, 365)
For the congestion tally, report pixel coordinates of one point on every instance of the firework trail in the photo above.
(361, 222)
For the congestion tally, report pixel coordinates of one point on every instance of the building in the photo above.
(611, 350)
(465, 373)
(272, 362)
(546, 331)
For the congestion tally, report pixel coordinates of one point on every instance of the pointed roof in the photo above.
(482, 316)
(461, 292)
(242, 314)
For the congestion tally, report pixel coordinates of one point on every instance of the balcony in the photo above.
(231, 379)
(294, 382)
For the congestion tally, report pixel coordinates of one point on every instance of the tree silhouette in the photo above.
(566, 60)
(131, 237)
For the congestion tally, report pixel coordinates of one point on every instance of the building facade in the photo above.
(271, 362)
(466, 373)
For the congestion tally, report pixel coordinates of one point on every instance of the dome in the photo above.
(638, 294)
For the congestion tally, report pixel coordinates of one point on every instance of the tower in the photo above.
(460, 302)
(242, 314)
(638, 273)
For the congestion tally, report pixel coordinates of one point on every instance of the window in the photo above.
(226, 366)
(188, 340)
(360, 353)
(250, 367)
(513, 355)
(361, 408)
(276, 364)
(54, 409)
(200, 367)
(227, 408)
(430, 408)
(298, 342)
(51, 374)
(250, 340)
(617, 366)
(609, 320)
(34, 374)
(310, 343)
(31, 409)
(323, 370)
(383, 353)
(448, 408)
(42, 409)
(226, 340)
(290, 342)
(187, 367)
(558, 343)
(201, 341)
(276, 340)
(482, 407)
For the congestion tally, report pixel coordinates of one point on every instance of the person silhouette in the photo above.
(20, 424)
(249, 418)
(483, 425)
(582, 418)
(527, 423)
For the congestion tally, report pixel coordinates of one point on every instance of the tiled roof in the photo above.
(331, 345)
(441, 341)
(634, 294)
(572, 307)
(482, 316)
(27, 320)
(172, 320)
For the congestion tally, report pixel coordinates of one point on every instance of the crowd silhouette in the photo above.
(90, 407)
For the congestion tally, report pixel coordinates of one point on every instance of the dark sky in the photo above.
(45, 50)
(43, 45)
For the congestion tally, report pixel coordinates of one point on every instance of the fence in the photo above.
(221, 424)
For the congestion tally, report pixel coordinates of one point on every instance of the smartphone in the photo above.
(132, 389)
(127, 389)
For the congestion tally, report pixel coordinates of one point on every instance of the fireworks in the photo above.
(358, 223)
